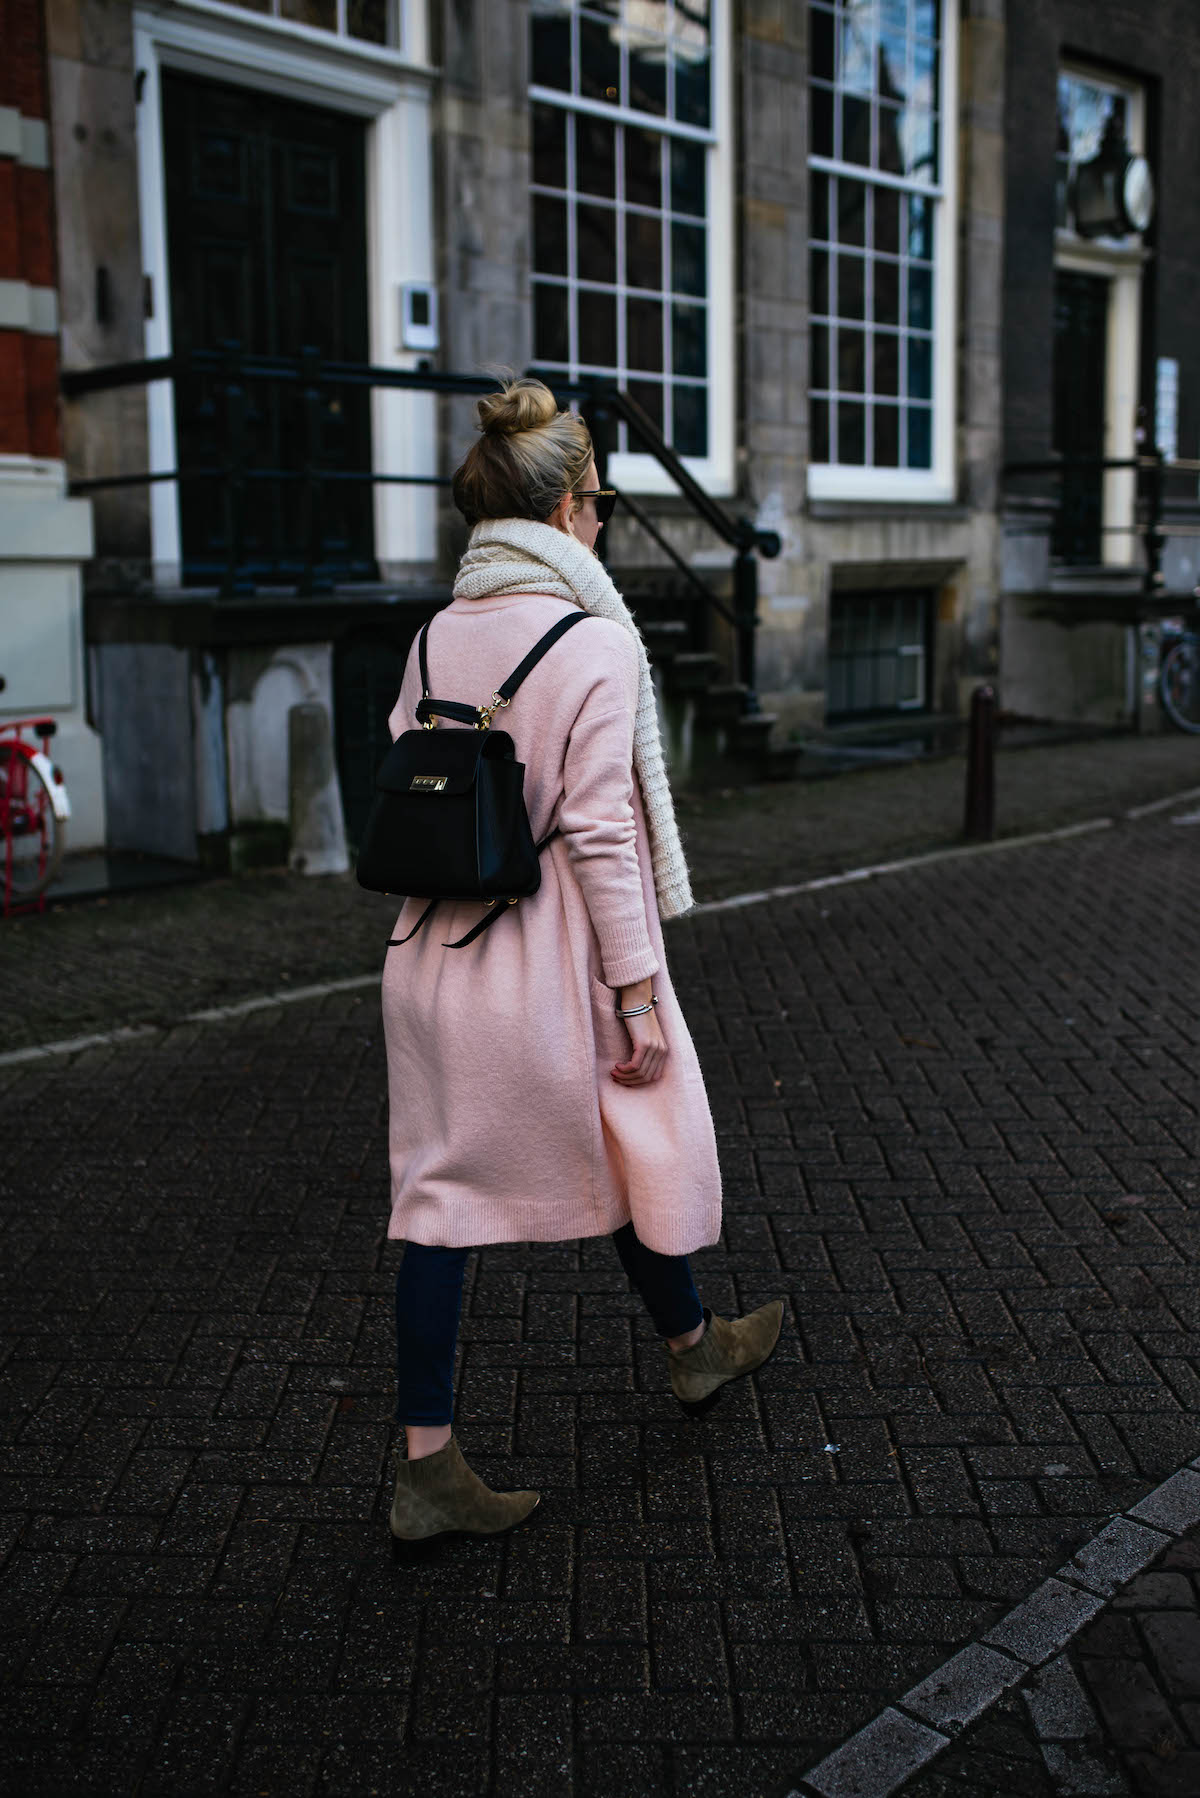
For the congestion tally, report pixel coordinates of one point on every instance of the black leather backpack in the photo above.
(449, 818)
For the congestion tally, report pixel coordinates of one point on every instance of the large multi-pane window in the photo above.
(624, 127)
(880, 247)
(372, 21)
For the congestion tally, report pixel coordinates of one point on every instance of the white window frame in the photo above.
(391, 88)
(1120, 261)
(938, 483)
(639, 472)
(395, 18)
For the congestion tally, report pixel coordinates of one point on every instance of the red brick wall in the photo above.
(28, 360)
(24, 82)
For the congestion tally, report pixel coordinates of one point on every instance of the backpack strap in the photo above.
(497, 910)
(394, 942)
(427, 708)
(494, 911)
(535, 655)
(423, 658)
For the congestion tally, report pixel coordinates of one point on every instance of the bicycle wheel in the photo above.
(1179, 684)
(32, 835)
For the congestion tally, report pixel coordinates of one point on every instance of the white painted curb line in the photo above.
(1163, 805)
(875, 869)
(215, 1014)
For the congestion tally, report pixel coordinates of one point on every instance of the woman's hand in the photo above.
(649, 1057)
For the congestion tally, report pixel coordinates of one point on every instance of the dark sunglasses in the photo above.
(605, 498)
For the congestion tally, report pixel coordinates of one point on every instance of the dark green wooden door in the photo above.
(266, 227)
(1080, 362)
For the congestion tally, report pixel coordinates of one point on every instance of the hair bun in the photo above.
(520, 405)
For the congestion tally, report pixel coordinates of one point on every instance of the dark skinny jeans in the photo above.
(429, 1299)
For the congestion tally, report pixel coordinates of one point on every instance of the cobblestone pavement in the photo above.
(160, 954)
(957, 1113)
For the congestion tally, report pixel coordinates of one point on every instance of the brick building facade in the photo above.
(1099, 351)
(816, 242)
(44, 537)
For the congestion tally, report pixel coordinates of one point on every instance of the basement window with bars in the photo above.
(881, 237)
(627, 195)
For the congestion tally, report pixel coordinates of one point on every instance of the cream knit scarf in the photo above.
(517, 555)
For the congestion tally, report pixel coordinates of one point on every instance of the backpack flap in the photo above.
(447, 817)
(428, 757)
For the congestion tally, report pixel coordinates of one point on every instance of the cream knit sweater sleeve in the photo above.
(595, 814)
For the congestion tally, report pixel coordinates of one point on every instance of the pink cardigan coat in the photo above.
(506, 1125)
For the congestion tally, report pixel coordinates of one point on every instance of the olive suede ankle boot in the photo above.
(724, 1352)
(439, 1495)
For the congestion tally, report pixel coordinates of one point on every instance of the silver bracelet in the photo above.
(637, 1011)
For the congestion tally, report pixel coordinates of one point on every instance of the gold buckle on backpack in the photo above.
(485, 711)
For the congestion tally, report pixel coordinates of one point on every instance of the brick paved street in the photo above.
(957, 1112)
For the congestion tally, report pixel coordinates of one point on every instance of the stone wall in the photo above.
(772, 336)
(482, 176)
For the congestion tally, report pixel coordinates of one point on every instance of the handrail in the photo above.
(107, 482)
(740, 533)
(1153, 471)
(1057, 464)
(76, 382)
(234, 368)
(651, 529)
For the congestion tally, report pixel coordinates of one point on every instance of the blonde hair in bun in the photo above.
(529, 454)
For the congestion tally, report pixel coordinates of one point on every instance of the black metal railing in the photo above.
(226, 376)
(1076, 494)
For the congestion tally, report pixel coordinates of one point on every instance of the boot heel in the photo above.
(696, 1407)
(410, 1553)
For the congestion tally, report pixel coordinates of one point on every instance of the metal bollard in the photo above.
(980, 820)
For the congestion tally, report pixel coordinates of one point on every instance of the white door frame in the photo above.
(391, 89)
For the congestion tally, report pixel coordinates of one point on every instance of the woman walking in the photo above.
(543, 1085)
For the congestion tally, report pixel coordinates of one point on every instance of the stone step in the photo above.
(721, 703)
(663, 633)
(751, 733)
(690, 671)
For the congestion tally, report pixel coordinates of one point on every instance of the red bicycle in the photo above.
(34, 809)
